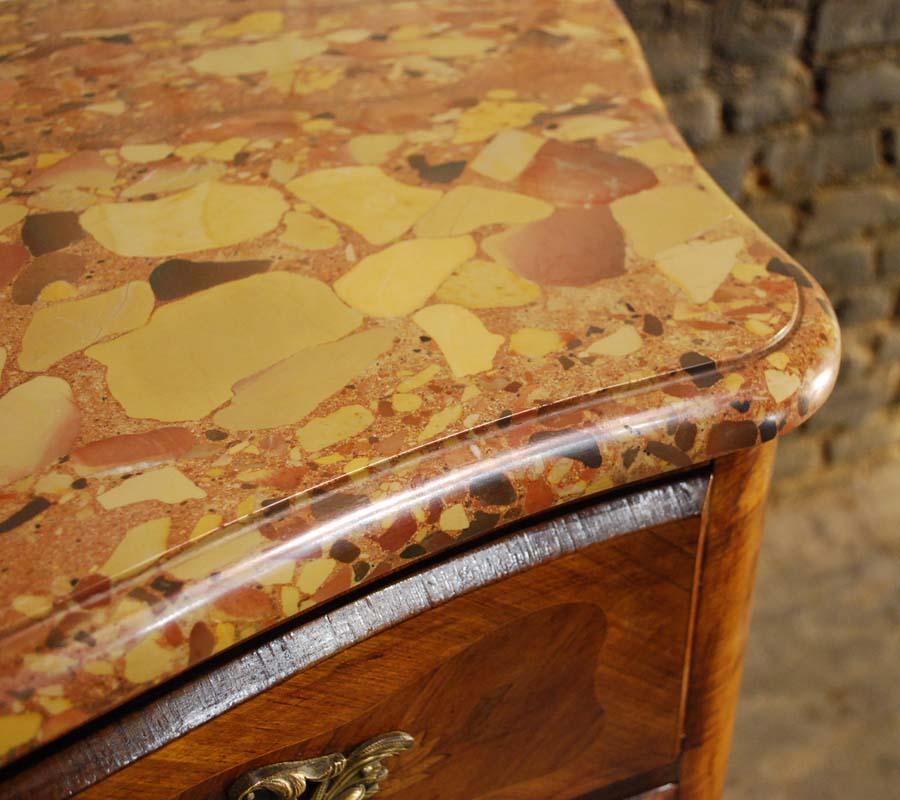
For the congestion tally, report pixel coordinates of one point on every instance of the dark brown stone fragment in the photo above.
(335, 504)
(702, 369)
(12, 258)
(726, 437)
(447, 172)
(44, 270)
(685, 435)
(584, 450)
(652, 325)
(493, 490)
(45, 233)
(166, 586)
(669, 453)
(344, 551)
(201, 642)
(179, 277)
(27, 512)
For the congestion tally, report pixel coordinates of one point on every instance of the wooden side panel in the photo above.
(731, 539)
(550, 683)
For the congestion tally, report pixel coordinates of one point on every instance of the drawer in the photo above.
(553, 682)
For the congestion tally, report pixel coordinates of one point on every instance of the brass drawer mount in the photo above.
(334, 777)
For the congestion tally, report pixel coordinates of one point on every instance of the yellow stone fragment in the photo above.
(489, 117)
(54, 705)
(214, 554)
(418, 380)
(466, 343)
(314, 573)
(166, 484)
(285, 393)
(404, 402)
(748, 272)
(275, 55)
(145, 153)
(65, 328)
(399, 279)
(758, 327)
(55, 291)
(561, 467)
(113, 108)
(623, 342)
(192, 149)
(356, 464)
(183, 363)
(657, 219)
(141, 545)
(779, 359)
(261, 23)
(309, 232)
(99, 668)
(174, 178)
(657, 153)
(535, 342)
(33, 605)
(45, 160)
(373, 148)
(18, 729)
(38, 422)
(440, 421)
(465, 208)
(53, 483)
(700, 267)
(733, 381)
(290, 600)
(225, 636)
(10, 214)
(206, 524)
(336, 427)
(278, 572)
(227, 150)
(62, 198)
(206, 216)
(149, 660)
(505, 157)
(781, 385)
(454, 518)
(586, 126)
(373, 204)
(453, 45)
(282, 171)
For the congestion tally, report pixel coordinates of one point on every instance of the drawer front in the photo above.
(549, 683)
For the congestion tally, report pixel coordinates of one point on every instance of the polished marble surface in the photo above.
(293, 296)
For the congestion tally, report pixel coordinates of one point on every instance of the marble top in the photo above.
(293, 296)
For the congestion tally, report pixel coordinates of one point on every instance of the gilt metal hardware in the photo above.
(336, 777)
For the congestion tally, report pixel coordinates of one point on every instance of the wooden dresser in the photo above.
(388, 402)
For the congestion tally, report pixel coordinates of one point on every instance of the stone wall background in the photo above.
(794, 107)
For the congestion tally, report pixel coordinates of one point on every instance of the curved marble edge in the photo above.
(520, 467)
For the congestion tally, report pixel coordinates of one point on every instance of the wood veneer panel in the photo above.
(733, 525)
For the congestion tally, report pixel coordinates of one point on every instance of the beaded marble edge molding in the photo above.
(293, 297)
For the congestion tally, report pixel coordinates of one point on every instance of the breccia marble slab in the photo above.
(293, 296)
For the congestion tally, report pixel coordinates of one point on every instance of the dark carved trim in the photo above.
(111, 743)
